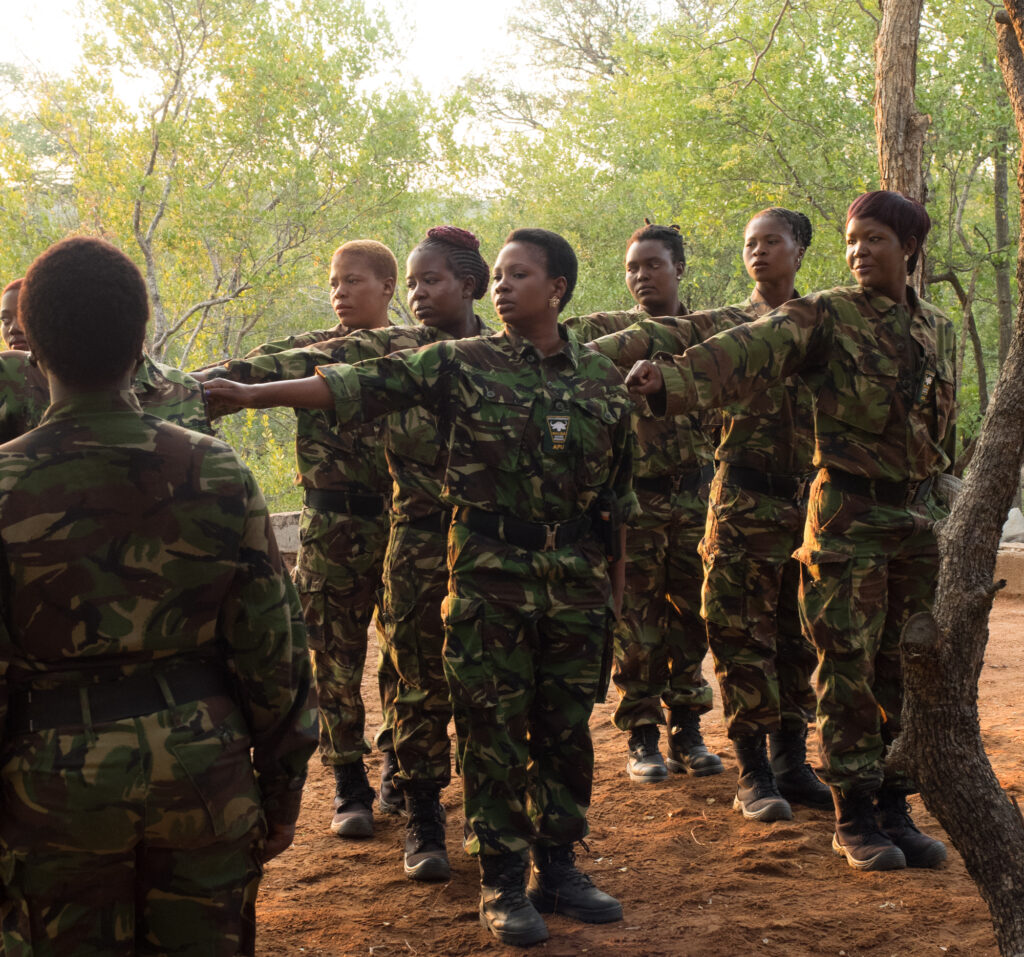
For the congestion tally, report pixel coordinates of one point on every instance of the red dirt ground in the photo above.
(694, 877)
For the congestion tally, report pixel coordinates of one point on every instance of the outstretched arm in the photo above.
(309, 393)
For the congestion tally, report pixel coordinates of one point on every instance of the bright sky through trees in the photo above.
(443, 40)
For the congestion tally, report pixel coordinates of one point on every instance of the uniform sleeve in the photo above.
(261, 624)
(621, 484)
(418, 377)
(644, 338)
(741, 361)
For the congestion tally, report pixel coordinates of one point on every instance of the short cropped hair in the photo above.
(904, 216)
(799, 225)
(84, 309)
(461, 251)
(667, 235)
(560, 258)
(13, 286)
(381, 260)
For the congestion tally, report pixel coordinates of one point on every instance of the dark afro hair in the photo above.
(461, 251)
(905, 217)
(84, 309)
(669, 235)
(799, 225)
(561, 260)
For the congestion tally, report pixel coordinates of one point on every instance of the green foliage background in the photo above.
(230, 145)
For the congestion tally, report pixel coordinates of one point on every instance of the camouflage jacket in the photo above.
(163, 391)
(325, 457)
(773, 430)
(882, 377)
(530, 436)
(664, 446)
(414, 446)
(129, 543)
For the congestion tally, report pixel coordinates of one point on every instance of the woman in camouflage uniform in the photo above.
(156, 700)
(880, 362)
(539, 449)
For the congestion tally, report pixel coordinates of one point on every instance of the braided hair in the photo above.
(669, 235)
(461, 251)
(799, 225)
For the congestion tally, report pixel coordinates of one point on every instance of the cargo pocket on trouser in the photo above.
(466, 661)
(210, 791)
(314, 607)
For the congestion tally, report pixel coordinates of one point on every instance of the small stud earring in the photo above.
(906, 259)
(554, 301)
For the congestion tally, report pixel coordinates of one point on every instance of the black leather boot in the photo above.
(858, 837)
(557, 886)
(919, 849)
(757, 795)
(390, 800)
(797, 783)
(645, 763)
(353, 801)
(426, 857)
(686, 749)
(505, 910)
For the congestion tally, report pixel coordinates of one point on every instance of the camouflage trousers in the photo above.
(867, 567)
(524, 634)
(143, 837)
(661, 641)
(763, 661)
(338, 574)
(411, 638)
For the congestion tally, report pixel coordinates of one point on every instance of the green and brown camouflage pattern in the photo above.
(872, 567)
(538, 438)
(524, 634)
(661, 642)
(163, 391)
(763, 661)
(338, 566)
(411, 638)
(882, 375)
(131, 545)
(533, 437)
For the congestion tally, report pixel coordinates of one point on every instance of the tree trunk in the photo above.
(942, 655)
(1001, 264)
(899, 128)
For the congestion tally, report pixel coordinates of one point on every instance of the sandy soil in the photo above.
(693, 876)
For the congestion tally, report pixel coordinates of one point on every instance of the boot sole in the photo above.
(550, 905)
(523, 939)
(352, 827)
(645, 778)
(680, 767)
(778, 810)
(429, 869)
(888, 859)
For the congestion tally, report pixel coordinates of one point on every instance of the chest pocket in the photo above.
(414, 435)
(860, 385)
(590, 439)
(492, 422)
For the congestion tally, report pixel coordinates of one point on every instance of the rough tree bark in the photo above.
(942, 654)
(899, 128)
(1001, 192)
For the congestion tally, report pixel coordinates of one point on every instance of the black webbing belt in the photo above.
(535, 536)
(349, 503)
(888, 493)
(776, 484)
(129, 697)
(686, 481)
